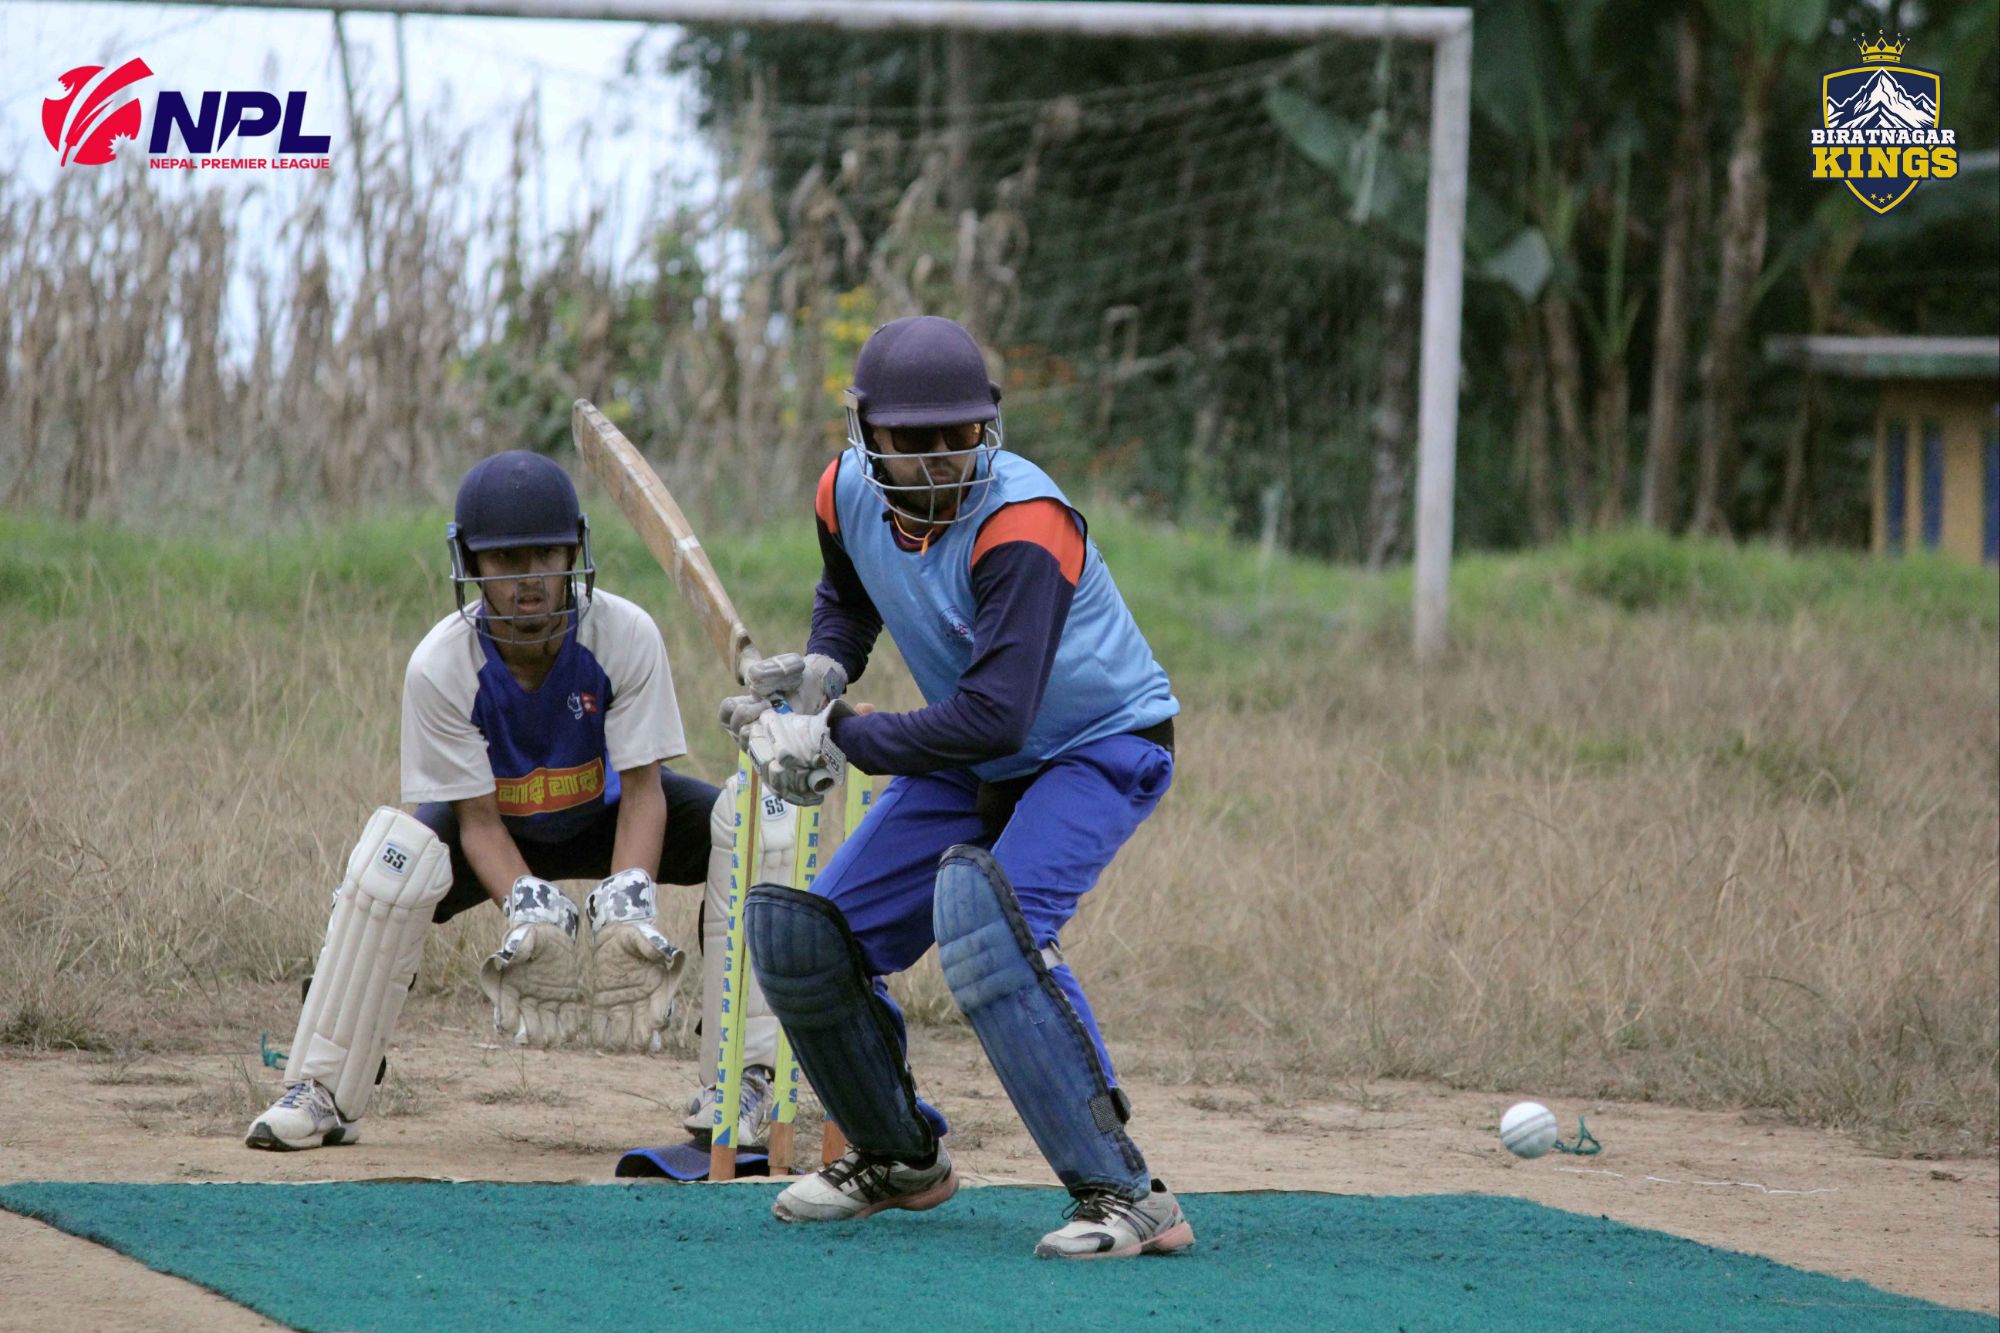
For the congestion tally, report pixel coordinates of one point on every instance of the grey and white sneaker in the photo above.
(1104, 1224)
(305, 1117)
(857, 1186)
(753, 1119)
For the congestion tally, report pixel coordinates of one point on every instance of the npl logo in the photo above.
(244, 114)
(86, 124)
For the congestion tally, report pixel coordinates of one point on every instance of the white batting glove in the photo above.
(795, 755)
(808, 684)
(738, 711)
(633, 968)
(535, 977)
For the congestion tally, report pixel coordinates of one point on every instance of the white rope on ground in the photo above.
(1662, 1180)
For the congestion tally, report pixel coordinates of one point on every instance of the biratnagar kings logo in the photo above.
(1881, 134)
(91, 121)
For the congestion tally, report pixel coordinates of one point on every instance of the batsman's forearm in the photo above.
(1023, 604)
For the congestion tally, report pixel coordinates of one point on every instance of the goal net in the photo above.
(1201, 289)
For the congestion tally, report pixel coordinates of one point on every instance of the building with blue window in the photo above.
(1936, 474)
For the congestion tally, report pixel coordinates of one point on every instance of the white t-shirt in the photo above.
(552, 754)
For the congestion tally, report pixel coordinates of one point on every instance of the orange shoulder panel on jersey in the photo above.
(1047, 523)
(823, 498)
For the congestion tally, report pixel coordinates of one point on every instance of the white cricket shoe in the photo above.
(753, 1120)
(303, 1118)
(856, 1186)
(1104, 1224)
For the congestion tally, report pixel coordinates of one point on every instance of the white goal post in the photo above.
(1447, 30)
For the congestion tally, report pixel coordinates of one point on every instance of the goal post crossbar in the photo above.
(1079, 18)
(1447, 30)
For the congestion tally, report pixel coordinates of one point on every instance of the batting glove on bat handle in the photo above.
(802, 684)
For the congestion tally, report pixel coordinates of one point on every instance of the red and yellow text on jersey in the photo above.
(550, 789)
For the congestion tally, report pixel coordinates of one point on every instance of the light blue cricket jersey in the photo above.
(1104, 681)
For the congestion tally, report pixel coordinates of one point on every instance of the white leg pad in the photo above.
(396, 875)
(777, 830)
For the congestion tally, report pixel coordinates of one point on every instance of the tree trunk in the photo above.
(1744, 219)
(960, 72)
(1788, 524)
(1823, 271)
(1529, 370)
(1388, 497)
(1612, 410)
(1566, 389)
(1660, 486)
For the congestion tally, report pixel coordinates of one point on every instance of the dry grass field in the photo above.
(1673, 822)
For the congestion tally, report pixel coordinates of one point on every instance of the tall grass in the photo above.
(363, 336)
(1672, 821)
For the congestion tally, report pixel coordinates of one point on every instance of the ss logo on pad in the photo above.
(395, 858)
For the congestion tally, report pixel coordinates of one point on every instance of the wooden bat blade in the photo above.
(653, 512)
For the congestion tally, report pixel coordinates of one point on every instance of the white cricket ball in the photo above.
(1528, 1129)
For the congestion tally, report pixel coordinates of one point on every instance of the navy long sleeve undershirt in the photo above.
(1021, 601)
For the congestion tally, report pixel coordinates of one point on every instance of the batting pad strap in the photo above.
(810, 968)
(396, 874)
(1108, 1111)
(1037, 1045)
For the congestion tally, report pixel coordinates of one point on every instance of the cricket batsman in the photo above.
(1045, 740)
(537, 719)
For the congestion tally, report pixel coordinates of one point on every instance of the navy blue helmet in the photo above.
(517, 499)
(917, 373)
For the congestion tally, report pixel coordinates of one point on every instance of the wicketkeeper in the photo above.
(1045, 740)
(537, 719)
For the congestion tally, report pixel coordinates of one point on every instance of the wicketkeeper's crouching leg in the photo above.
(396, 876)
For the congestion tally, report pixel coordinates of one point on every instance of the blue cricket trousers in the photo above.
(1072, 819)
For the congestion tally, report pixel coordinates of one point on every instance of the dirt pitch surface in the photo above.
(471, 1109)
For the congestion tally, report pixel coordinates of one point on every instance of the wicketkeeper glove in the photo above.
(634, 968)
(535, 977)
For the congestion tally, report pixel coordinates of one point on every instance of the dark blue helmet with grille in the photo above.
(517, 499)
(511, 500)
(923, 371)
(920, 373)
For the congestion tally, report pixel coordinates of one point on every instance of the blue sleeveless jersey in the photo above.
(1104, 681)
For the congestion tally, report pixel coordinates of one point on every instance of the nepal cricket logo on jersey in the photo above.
(1881, 135)
(88, 125)
(581, 702)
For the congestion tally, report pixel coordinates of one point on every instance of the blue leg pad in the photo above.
(1040, 1048)
(809, 965)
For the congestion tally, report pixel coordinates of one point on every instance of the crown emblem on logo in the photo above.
(1881, 49)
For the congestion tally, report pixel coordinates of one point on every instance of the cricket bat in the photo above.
(652, 510)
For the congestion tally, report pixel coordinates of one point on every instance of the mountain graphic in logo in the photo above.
(1879, 133)
(1882, 103)
(83, 125)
